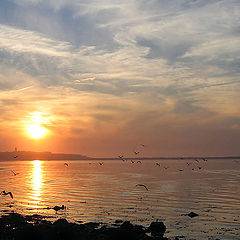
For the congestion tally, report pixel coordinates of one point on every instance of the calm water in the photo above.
(94, 192)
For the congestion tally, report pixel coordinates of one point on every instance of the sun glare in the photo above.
(36, 131)
(35, 125)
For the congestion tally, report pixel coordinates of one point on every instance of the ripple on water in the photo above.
(107, 193)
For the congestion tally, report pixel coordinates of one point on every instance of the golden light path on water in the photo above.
(36, 182)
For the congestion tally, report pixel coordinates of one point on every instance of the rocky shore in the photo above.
(15, 226)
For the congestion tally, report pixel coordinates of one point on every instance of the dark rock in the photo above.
(192, 214)
(91, 225)
(118, 221)
(126, 226)
(17, 227)
(61, 221)
(157, 229)
(13, 220)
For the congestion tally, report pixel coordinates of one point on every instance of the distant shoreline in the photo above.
(29, 155)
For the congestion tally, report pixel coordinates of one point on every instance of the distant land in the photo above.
(29, 155)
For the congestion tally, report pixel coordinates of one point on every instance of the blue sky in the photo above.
(105, 75)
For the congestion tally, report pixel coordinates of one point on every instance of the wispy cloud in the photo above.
(122, 68)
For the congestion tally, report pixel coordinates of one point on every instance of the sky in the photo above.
(102, 77)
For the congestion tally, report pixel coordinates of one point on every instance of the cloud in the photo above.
(121, 68)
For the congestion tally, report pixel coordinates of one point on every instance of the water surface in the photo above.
(108, 192)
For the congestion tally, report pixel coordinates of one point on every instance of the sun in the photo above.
(35, 125)
(36, 131)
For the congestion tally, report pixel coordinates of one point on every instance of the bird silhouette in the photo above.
(141, 185)
(7, 193)
(122, 158)
(100, 163)
(143, 145)
(14, 173)
(139, 161)
(136, 152)
(158, 164)
(15, 156)
(132, 161)
(66, 164)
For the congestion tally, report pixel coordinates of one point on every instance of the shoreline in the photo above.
(17, 226)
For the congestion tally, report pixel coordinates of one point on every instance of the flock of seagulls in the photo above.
(197, 160)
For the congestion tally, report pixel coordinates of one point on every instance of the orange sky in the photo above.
(100, 79)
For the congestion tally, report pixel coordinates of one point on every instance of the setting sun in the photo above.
(36, 131)
(35, 125)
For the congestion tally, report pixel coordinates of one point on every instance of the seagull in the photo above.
(132, 161)
(66, 164)
(121, 157)
(141, 185)
(166, 167)
(100, 163)
(196, 160)
(188, 163)
(199, 168)
(57, 208)
(14, 173)
(143, 145)
(158, 164)
(15, 156)
(6, 193)
(139, 161)
(136, 152)
(204, 159)
(180, 170)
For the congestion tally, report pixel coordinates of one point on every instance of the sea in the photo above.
(140, 191)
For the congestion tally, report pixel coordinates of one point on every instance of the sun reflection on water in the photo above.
(37, 180)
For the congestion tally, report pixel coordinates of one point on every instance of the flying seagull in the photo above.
(100, 163)
(141, 185)
(136, 152)
(158, 164)
(14, 173)
(15, 156)
(66, 164)
(6, 193)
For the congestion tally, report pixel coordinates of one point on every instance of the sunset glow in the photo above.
(36, 131)
(36, 179)
(34, 126)
(158, 73)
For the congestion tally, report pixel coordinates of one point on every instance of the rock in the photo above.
(118, 221)
(126, 226)
(61, 221)
(192, 214)
(157, 229)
